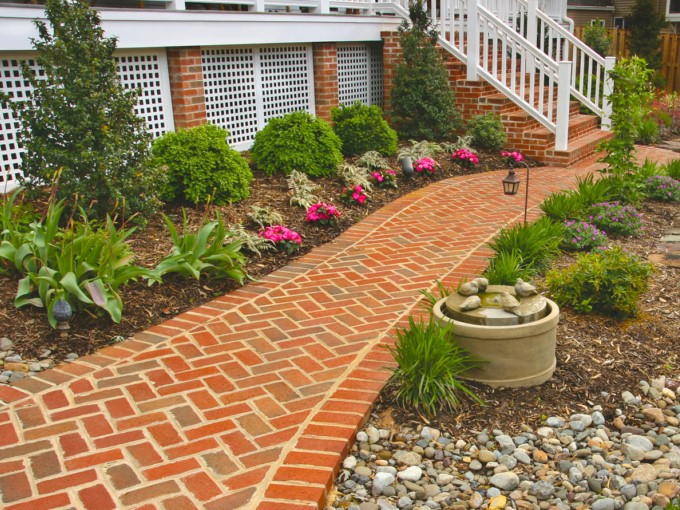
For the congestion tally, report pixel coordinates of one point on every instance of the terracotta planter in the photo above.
(516, 356)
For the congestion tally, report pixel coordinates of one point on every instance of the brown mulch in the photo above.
(145, 306)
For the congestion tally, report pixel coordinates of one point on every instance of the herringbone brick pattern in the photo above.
(250, 401)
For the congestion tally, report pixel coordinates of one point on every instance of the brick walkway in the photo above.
(250, 401)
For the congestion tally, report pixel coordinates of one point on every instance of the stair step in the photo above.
(578, 126)
(578, 149)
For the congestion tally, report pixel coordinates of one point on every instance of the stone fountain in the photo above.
(518, 346)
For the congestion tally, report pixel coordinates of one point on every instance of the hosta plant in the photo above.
(384, 178)
(205, 252)
(665, 188)
(608, 282)
(582, 236)
(283, 238)
(323, 213)
(430, 364)
(616, 218)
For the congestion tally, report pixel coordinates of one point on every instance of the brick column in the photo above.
(325, 57)
(186, 87)
(392, 54)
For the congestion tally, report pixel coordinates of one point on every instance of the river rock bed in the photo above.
(571, 462)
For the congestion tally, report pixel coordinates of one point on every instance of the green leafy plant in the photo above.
(648, 132)
(648, 169)
(264, 216)
(419, 150)
(673, 505)
(562, 206)
(431, 297)
(249, 241)
(672, 169)
(608, 282)
(590, 191)
(536, 242)
(302, 190)
(582, 236)
(644, 25)
(597, 37)
(283, 238)
(663, 187)
(487, 132)
(462, 142)
(616, 218)
(373, 160)
(352, 175)
(202, 252)
(505, 267)
(430, 364)
(201, 166)
(80, 121)
(423, 103)
(362, 128)
(297, 141)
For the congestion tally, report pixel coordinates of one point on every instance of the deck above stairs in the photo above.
(524, 132)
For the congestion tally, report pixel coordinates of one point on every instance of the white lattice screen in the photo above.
(147, 71)
(245, 87)
(360, 74)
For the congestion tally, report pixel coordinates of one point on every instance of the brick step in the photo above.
(578, 126)
(578, 149)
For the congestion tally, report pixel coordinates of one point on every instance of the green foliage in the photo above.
(373, 160)
(672, 169)
(419, 150)
(362, 128)
(423, 104)
(648, 132)
(609, 283)
(462, 142)
(355, 175)
(506, 267)
(589, 191)
(648, 169)
(487, 132)
(663, 187)
(430, 364)
(561, 206)
(631, 104)
(673, 505)
(616, 218)
(583, 236)
(249, 241)
(302, 190)
(202, 252)
(644, 26)
(430, 298)
(264, 216)
(297, 141)
(536, 242)
(201, 166)
(82, 263)
(80, 125)
(597, 37)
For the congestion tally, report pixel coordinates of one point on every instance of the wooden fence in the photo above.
(670, 54)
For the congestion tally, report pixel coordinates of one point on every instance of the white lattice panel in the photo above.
(245, 87)
(145, 71)
(360, 74)
(287, 80)
(230, 93)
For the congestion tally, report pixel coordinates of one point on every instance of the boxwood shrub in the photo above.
(362, 128)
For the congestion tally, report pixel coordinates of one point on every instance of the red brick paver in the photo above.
(250, 401)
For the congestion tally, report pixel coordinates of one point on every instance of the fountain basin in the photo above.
(516, 355)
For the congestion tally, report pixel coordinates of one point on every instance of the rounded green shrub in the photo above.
(362, 128)
(297, 141)
(202, 167)
(487, 132)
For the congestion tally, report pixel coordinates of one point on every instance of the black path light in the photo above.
(511, 181)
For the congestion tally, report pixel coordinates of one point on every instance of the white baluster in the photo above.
(562, 121)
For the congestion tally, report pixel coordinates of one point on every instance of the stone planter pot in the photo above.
(516, 356)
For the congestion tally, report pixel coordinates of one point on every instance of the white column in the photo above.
(532, 6)
(563, 95)
(606, 124)
(472, 40)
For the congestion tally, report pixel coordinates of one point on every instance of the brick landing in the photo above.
(249, 401)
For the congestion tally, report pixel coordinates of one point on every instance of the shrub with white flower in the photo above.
(663, 187)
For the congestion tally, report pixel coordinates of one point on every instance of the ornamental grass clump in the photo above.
(430, 363)
(609, 282)
(661, 187)
(616, 218)
(465, 158)
(582, 236)
(283, 238)
(323, 214)
(384, 178)
(426, 165)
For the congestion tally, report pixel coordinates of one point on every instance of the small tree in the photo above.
(644, 25)
(597, 37)
(423, 105)
(79, 128)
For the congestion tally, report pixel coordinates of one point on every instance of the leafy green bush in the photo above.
(203, 252)
(505, 267)
(597, 37)
(582, 236)
(423, 104)
(536, 242)
(663, 187)
(561, 206)
(647, 132)
(362, 128)
(589, 191)
(80, 126)
(487, 132)
(430, 363)
(297, 141)
(609, 283)
(82, 263)
(202, 167)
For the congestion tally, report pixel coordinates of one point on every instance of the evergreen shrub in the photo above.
(362, 128)
(487, 132)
